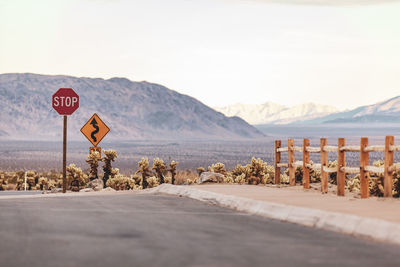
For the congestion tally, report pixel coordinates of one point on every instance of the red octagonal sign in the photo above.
(65, 101)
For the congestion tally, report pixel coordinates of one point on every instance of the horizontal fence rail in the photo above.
(341, 170)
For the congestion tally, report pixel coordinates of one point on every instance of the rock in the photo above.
(96, 184)
(86, 190)
(108, 189)
(211, 177)
(56, 190)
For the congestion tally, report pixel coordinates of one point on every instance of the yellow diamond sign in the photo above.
(95, 129)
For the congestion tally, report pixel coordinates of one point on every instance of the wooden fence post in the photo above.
(291, 166)
(306, 160)
(388, 178)
(278, 144)
(324, 162)
(341, 175)
(364, 175)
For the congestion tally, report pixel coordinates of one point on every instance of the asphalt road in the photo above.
(19, 193)
(159, 230)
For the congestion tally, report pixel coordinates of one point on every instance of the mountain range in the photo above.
(387, 111)
(272, 113)
(132, 110)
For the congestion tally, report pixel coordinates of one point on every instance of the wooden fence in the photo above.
(364, 169)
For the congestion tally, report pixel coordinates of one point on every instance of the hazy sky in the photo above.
(344, 53)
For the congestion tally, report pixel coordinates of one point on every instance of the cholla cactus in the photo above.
(217, 168)
(121, 182)
(172, 170)
(31, 179)
(284, 179)
(257, 167)
(239, 170)
(110, 155)
(52, 184)
(229, 179)
(240, 179)
(19, 185)
(159, 167)
(152, 182)
(353, 184)
(75, 177)
(315, 175)
(59, 182)
(333, 175)
(93, 160)
(168, 180)
(3, 184)
(43, 183)
(137, 178)
(145, 171)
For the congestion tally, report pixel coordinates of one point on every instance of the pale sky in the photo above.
(342, 53)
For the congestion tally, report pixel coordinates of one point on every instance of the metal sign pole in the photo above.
(65, 155)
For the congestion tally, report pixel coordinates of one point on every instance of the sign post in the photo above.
(65, 101)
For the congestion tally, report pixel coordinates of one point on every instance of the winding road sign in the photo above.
(95, 129)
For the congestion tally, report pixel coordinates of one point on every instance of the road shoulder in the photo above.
(248, 201)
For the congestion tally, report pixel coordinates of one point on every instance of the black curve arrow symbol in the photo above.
(94, 124)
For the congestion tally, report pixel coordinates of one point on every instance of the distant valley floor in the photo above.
(47, 155)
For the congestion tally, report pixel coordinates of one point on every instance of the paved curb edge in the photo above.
(380, 230)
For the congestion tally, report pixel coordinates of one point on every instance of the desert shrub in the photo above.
(183, 176)
(109, 156)
(189, 181)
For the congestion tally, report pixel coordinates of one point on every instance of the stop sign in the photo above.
(65, 101)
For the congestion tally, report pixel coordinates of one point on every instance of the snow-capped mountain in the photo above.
(385, 111)
(271, 113)
(133, 110)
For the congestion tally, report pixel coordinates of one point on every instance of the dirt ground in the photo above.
(373, 207)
